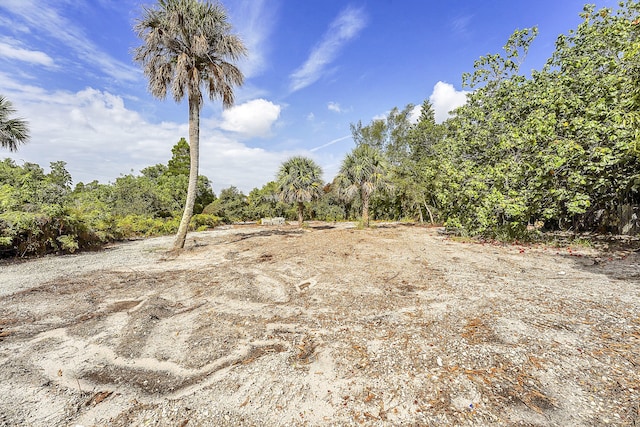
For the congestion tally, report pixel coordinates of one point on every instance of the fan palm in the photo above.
(12, 131)
(300, 180)
(188, 46)
(363, 171)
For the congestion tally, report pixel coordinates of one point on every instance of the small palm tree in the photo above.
(300, 180)
(188, 45)
(363, 171)
(12, 131)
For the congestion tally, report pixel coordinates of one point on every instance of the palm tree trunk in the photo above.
(194, 152)
(365, 210)
(300, 213)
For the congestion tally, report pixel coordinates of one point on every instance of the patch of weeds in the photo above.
(582, 242)
(463, 239)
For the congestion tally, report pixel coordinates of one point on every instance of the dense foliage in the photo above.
(557, 148)
(40, 212)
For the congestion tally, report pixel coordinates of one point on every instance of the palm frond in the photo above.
(13, 132)
(299, 180)
(187, 43)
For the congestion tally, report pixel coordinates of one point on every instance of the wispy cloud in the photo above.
(41, 17)
(11, 49)
(460, 25)
(343, 29)
(329, 143)
(253, 21)
(16, 27)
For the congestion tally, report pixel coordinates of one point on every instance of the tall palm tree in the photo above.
(363, 171)
(300, 180)
(188, 46)
(12, 131)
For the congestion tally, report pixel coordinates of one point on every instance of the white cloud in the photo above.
(334, 106)
(344, 28)
(10, 49)
(311, 117)
(446, 98)
(26, 92)
(337, 108)
(92, 131)
(227, 162)
(253, 118)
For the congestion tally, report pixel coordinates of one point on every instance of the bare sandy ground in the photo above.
(328, 325)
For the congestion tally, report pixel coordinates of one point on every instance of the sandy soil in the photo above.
(329, 325)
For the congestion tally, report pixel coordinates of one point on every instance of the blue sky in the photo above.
(314, 67)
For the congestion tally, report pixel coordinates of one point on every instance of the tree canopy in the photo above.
(300, 180)
(363, 171)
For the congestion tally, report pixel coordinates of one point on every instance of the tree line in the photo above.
(554, 149)
(42, 213)
(557, 149)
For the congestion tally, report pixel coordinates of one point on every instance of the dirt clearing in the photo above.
(329, 325)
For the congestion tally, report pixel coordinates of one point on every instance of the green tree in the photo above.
(36, 216)
(13, 132)
(557, 147)
(595, 111)
(231, 206)
(187, 45)
(408, 147)
(484, 165)
(154, 172)
(136, 195)
(299, 181)
(180, 160)
(363, 171)
(424, 136)
(329, 207)
(420, 168)
(172, 182)
(265, 202)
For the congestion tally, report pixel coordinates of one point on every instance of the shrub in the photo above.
(55, 230)
(201, 222)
